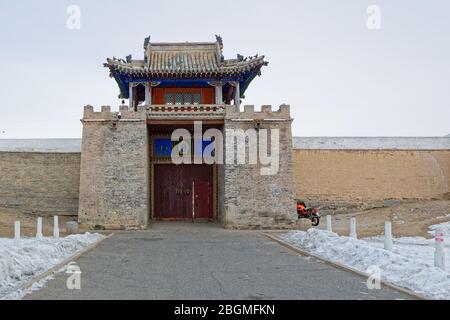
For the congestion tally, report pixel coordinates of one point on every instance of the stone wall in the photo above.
(40, 183)
(251, 199)
(114, 173)
(358, 176)
(114, 169)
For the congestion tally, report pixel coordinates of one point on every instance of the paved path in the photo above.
(204, 261)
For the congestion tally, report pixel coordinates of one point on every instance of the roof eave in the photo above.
(124, 91)
(119, 70)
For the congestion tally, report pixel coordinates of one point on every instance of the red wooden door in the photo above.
(171, 195)
(203, 200)
(173, 191)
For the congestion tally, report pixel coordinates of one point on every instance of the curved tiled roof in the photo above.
(183, 65)
(184, 59)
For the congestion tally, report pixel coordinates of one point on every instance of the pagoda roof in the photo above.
(184, 60)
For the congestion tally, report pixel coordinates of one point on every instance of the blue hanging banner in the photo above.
(205, 143)
(162, 147)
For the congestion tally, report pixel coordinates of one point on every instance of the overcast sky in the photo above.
(340, 77)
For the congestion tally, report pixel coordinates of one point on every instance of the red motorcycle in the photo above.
(304, 212)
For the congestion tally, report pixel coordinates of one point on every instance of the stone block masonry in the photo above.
(252, 200)
(43, 177)
(114, 169)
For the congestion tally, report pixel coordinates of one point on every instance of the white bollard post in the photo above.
(17, 233)
(39, 228)
(388, 235)
(55, 227)
(353, 228)
(439, 252)
(329, 227)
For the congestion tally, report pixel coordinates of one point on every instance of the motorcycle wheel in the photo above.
(315, 221)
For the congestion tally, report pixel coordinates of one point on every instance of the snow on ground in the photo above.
(21, 293)
(445, 227)
(409, 265)
(418, 248)
(20, 264)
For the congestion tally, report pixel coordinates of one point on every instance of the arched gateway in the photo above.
(184, 106)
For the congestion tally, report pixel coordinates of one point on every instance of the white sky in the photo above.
(340, 78)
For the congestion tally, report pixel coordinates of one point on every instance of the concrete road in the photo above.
(204, 261)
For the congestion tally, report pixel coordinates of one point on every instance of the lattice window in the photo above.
(168, 98)
(178, 98)
(187, 98)
(182, 98)
(196, 98)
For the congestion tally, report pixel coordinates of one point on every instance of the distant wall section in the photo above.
(345, 174)
(40, 182)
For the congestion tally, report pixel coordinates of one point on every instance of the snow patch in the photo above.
(409, 266)
(20, 264)
(445, 227)
(372, 143)
(41, 145)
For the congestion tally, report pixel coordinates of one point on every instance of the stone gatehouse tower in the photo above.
(128, 177)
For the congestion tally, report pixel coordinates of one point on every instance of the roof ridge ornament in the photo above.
(219, 40)
(146, 42)
(198, 61)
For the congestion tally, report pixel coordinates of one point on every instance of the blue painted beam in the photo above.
(124, 80)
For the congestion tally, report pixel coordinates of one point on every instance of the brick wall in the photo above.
(253, 200)
(40, 183)
(364, 175)
(114, 186)
(114, 169)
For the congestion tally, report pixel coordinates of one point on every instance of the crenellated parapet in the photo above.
(256, 197)
(266, 113)
(228, 112)
(105, 114)
(114, 155)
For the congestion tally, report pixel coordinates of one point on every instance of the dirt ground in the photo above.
(28, 223)
(409, 218)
